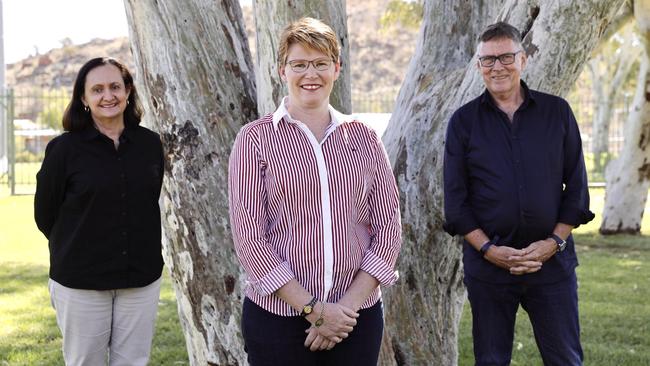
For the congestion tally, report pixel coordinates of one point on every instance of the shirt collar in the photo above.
(282, 111)
(90, 132)
(487, 98)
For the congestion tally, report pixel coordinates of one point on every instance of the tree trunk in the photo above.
(607, 84)
(195, 75)
(628, 177)
(600, 125)
(423, 309)
(271, 16)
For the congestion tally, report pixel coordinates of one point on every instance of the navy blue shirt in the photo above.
(98, 207)
(515, 181)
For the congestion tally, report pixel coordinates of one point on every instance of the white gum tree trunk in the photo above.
(195, 74)
(628, 177)
(600, 124)
(423, 309)
(271, 16)
(607, 82)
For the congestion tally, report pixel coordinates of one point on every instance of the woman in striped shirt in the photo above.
(314, 210)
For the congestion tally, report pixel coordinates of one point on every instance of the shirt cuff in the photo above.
(575, 217)
(379, 269)
(275, 279)
(460, 228)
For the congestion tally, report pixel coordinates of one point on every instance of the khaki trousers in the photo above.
(113, 327)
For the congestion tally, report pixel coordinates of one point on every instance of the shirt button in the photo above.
(123, 213)
(124, 252)
(123, 233)
(123, 195)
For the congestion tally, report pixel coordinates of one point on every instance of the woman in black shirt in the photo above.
(97, 203)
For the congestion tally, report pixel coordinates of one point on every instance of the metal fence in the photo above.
(379, 103)
(31, 120)
(585, 110)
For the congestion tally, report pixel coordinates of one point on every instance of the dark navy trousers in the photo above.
(271, 339)
(553, 312)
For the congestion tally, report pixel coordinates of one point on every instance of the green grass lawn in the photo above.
(614, 280)
(28, 330)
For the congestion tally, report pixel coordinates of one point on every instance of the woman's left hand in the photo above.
(318, 342)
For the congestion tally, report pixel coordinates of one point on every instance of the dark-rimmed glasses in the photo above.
(321, 64)
(504, 59)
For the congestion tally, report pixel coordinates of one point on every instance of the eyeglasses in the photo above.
(321, 64)
(504, 59)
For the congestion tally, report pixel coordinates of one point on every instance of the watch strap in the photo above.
(561, 243)
(485, 247)
(309, 307)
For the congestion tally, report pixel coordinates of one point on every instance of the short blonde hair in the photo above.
(310, 33)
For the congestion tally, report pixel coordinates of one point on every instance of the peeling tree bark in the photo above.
(195, 74)
(628, 177)
(271, 16)
(423, 309)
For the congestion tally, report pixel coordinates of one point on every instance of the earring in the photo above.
(86, 109)
(127, 102)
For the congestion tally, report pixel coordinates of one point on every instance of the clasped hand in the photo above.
(522, 261)
(339, 321)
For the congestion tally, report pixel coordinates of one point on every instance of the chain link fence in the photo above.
(31, 120)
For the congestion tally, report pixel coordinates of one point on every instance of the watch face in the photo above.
(307, 309)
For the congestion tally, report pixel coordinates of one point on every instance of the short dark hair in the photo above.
(500, 30)
(76, 118)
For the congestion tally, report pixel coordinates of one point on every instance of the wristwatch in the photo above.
(561, 243)
(309, 307)
(485, 247)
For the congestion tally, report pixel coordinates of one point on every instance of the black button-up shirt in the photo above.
(98, 207)
(515, 180)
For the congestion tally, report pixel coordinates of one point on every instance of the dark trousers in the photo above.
(271, 339)
(553, 312)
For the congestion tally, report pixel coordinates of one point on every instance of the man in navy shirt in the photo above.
(515, 187)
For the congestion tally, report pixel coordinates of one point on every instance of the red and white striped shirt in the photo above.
(316, 212)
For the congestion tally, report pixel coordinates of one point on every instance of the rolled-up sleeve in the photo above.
(385, 224)
(574, 208)
(50, 187)
(266, 270)
(459, 218)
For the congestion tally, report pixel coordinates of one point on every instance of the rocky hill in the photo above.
(379, 57)
(57, 68)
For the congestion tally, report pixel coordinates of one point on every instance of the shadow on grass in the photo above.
(614, 243)
(28, 331)
(17, 278)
